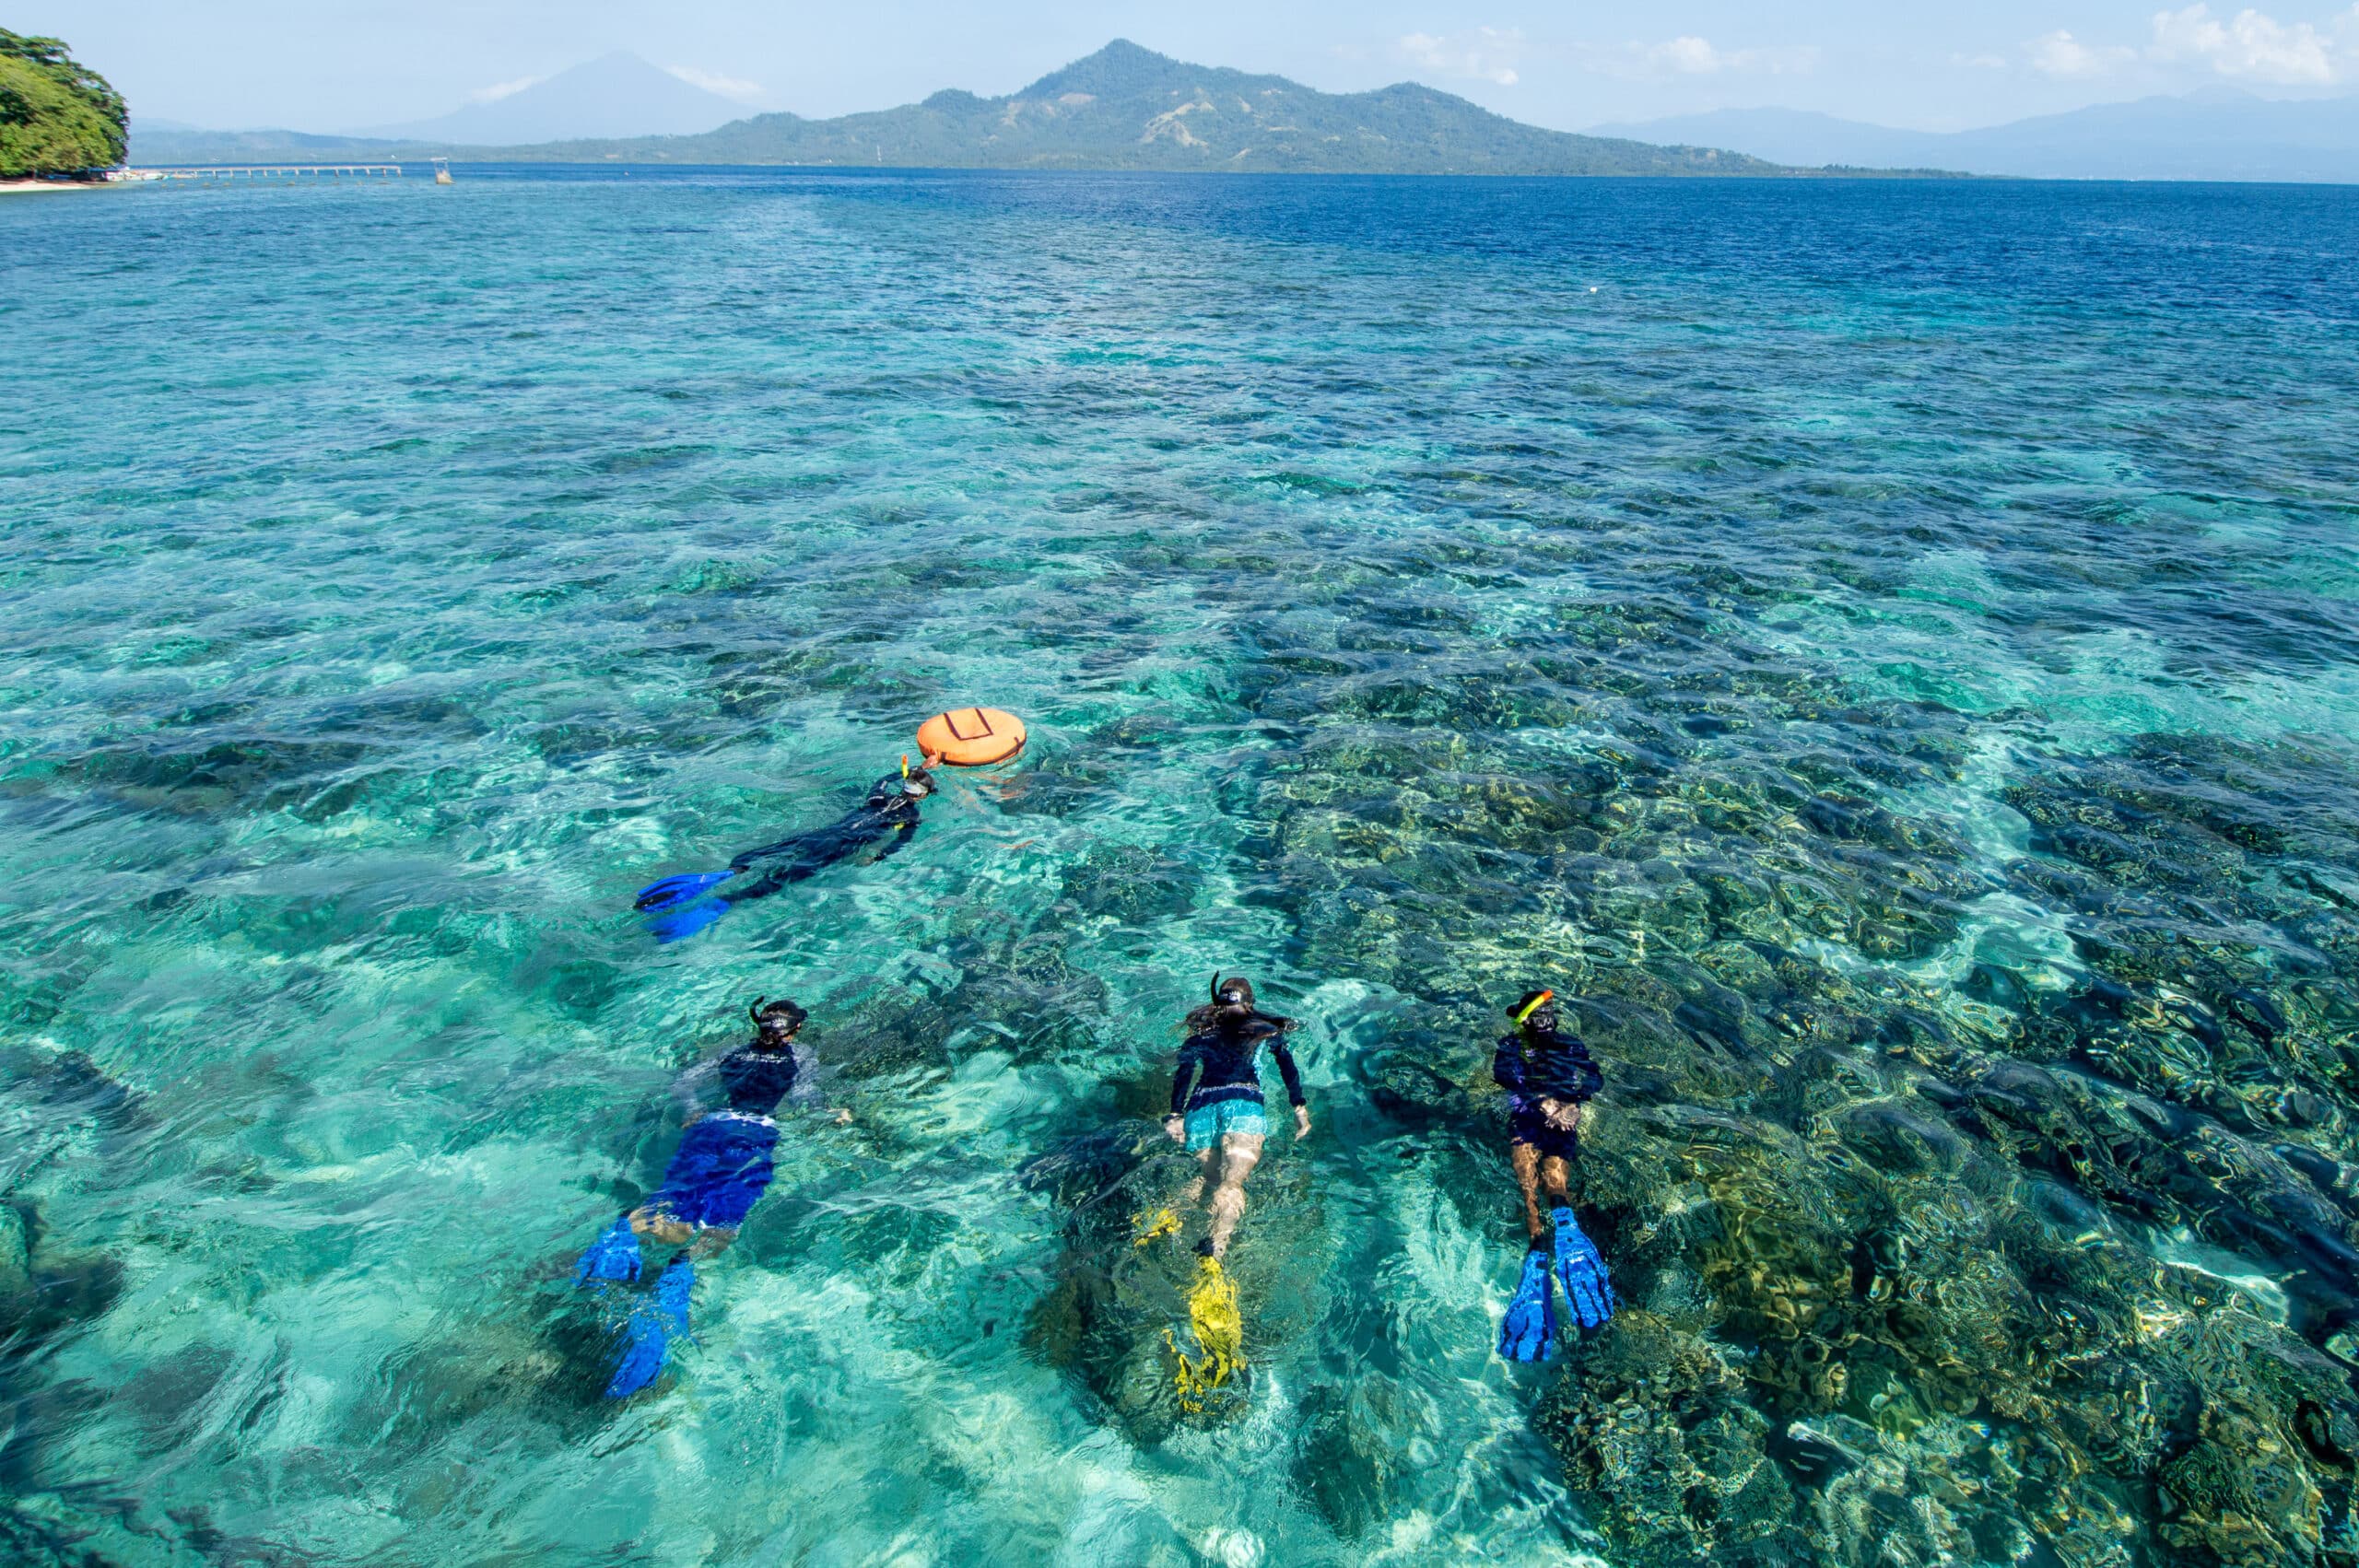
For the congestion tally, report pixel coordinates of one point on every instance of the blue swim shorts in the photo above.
(1208, 1124)
(722, 1164)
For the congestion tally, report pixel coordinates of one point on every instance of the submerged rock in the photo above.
(1654, 1425)
(1363, 1442)
(16, 1255)
(1131, 882)
(43, 1290)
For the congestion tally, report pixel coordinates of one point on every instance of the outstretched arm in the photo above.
(1184, 1081)
(805, 1095)
(897, 837)
(689, 1092)
(1189, 1073)
(1287, 1071)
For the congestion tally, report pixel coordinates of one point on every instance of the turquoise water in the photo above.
(1889, 650)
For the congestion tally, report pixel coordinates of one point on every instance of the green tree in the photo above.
(57, 116)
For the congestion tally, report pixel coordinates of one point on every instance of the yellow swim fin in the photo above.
(1147, 1227)
(1220, 1335)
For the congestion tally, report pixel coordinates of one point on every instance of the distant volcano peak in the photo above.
(617, 94)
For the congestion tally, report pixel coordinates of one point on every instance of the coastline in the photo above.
(15, 187)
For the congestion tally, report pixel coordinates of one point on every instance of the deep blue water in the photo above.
(1887, 649)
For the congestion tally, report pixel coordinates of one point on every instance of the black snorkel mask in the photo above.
(915, 785)
(780, 1018)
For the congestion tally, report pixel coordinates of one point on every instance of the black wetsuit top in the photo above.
(1218, 1065)
(1554, 1066)
(755, 1081)
(888, 818)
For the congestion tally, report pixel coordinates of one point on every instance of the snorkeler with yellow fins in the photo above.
(1219, 1113)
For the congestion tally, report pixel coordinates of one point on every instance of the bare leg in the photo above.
(663, 1227)
(1240, 1151)
(1526, 1161)
(1209, 1159)
(1553, 1173)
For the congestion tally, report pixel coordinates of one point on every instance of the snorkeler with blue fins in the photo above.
(684, 904)
(721, 1168)
(1548, 1075)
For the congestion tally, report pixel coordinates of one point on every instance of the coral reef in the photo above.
(1975, 1205)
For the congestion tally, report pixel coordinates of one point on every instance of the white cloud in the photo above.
(1485, 54)
(737, 88)
(2250, 44)
(498, 90)
(2059, 54)
(1688, 55)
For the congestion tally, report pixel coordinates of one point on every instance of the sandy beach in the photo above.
(12, 187)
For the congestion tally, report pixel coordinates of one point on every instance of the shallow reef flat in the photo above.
(1884, 653)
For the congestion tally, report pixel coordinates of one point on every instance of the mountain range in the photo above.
(2217, 134)
(1126, 107)
(1122, 107)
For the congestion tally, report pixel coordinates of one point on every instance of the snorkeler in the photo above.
(683, 905)
(1216, 1099)
(1548, 1074)
(1216, 1111)
(720, 1169)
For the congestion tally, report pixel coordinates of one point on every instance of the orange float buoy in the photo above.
(972, 737)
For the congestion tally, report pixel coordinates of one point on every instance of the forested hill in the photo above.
(1122, 107)
(57, 116)
(1126, 107)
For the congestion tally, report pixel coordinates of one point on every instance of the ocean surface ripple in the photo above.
(1889, 650)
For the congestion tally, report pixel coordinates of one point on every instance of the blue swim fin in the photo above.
(686, 919)
(614, 1255)
(1529, 1330)
(1581, 1269)
(649, 1336)
(674, 891)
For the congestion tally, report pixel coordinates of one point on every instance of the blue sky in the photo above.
(335, 64)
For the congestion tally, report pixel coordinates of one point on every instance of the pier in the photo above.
(281, 170)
